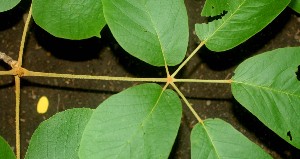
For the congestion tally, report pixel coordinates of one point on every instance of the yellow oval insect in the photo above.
(42, 105)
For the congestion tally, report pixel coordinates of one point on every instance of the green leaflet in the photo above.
(218, 139)
(59, 136)
(5, 150)
(295, 5)
(268, 87)
(69, 19)
(8, 4)
(140, 122)
(153, 31)
(242, 19)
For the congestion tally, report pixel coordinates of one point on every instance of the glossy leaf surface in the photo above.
(268, 86)
(140, 122)
(69, 19)
(237, 21)
(59, 136)
(5, 150)
(8, 4)
(151, 30)
(218, 139)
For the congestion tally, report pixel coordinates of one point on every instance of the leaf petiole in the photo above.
(202, 81)
(188, 59)
(106, 78)
(187, 103)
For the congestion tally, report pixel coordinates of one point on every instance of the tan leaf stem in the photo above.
(23, 40)
(188, 59)
(187, 103)
(18, 142)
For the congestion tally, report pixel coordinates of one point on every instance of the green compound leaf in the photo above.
(59, 136)
(140, 122)
(5, 150)
(268, 86)
(8, 4)
(240, 19)
(218, 139)
(295, 5)
(69, 19)
(153, 31)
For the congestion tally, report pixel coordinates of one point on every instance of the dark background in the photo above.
(104, 56)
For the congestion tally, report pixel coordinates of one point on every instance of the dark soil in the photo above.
(105, 57)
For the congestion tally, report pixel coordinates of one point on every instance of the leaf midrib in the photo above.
(211, 141)
(158, 37)
(225, 22)
(142, 123)
(267, 88)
